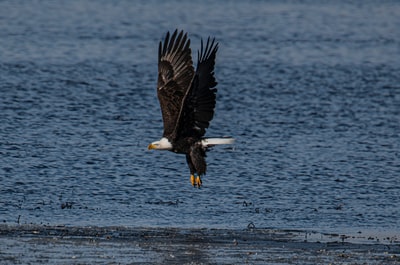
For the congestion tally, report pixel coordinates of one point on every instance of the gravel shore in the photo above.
(32, 244)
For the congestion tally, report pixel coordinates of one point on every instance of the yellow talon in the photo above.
(192, 180)
(198, 181)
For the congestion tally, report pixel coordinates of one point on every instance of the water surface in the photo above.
(310, 91)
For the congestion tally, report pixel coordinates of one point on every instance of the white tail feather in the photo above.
(214, 141)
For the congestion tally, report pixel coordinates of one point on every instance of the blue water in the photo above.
(309, 89)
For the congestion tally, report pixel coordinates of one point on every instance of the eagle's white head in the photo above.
(163, 144)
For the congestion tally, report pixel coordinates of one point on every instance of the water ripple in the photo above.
(310, 92)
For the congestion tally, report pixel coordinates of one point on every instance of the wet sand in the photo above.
(32, 244)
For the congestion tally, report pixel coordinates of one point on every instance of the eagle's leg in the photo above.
(192, 180)
(198, 181)
(192, 170)
(197, 161)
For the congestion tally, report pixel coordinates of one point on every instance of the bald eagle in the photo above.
(187, 100)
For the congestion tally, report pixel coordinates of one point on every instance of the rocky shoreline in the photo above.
(33, 244)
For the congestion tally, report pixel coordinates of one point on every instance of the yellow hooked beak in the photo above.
(151, 146)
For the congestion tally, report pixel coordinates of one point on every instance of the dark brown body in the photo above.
(195, 154)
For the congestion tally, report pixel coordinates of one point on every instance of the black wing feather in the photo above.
(175, 74)
(200, 103)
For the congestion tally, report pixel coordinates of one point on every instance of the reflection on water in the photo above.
(310, 92)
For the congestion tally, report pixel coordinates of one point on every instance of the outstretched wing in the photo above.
(200, 101)
(175, 74)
